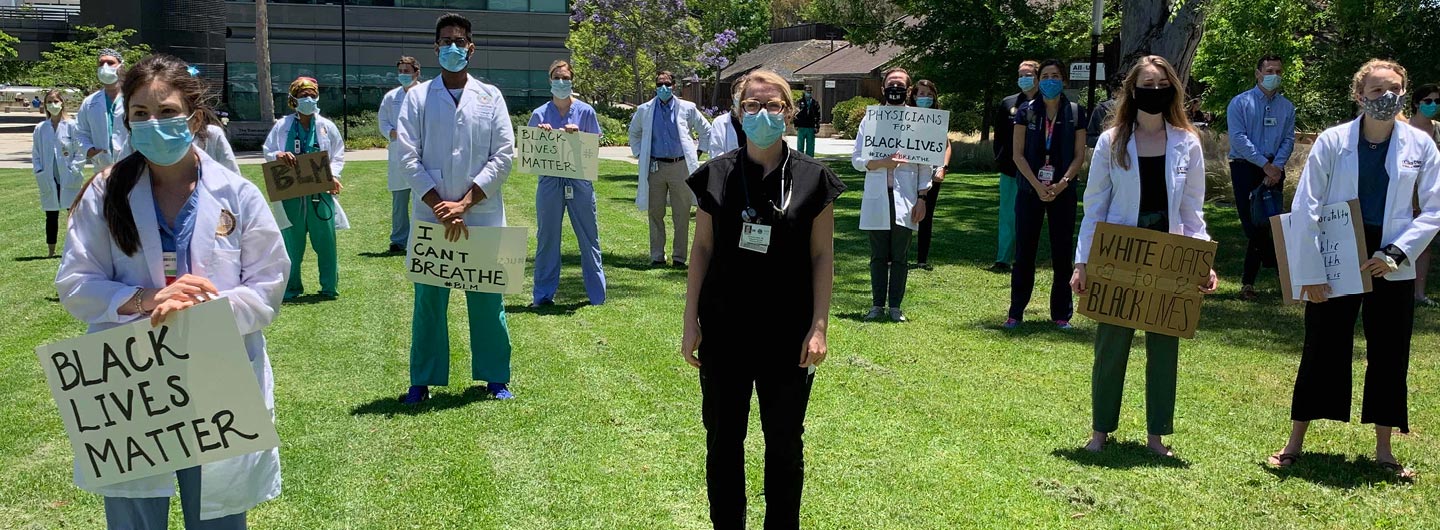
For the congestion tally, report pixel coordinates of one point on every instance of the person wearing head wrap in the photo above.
(100, 126)
(315, 216)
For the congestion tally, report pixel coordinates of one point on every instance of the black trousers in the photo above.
(928, 223)
(1259, 247)
(52, 227)
(1323, 385)
(784, 393)
(1030, 214)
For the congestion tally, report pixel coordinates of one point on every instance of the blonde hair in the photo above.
(770, 78)
(1357, 85)
(561, 63)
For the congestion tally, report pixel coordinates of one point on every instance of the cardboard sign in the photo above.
(557, 153)
(1146, 280)
(920, 135)
(138, 401)
(310, 175)
(492, 260)
(1340, 247)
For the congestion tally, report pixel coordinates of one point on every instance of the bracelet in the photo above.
(136, 300)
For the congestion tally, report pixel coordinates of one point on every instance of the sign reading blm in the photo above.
(310, 175)
(557, 153)
(919, 135)
(139, 401)
(490, 260)
(1146, 280)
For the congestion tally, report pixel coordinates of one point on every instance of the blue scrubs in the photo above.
(551, 203)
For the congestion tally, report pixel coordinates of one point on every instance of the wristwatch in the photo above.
(1394, 253)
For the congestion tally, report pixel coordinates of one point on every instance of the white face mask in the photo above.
(107, 74)
(53, 107)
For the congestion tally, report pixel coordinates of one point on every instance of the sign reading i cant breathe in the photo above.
(491, 260)
(1146, 280)
(139, 401)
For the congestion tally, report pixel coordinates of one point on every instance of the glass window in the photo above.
(549, 6)
(509, 5)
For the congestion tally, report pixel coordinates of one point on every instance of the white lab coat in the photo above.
(1413, 164)
(248, 266)
(397, 179)
(448, 149)
(722, 137)
(328, 135)
(93, 125)
(911, 180)
(687, 119)
(1112, 194)
(56, 156)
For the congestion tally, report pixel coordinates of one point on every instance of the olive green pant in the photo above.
(1107, 381)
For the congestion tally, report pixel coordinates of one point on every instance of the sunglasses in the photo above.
(669, 84)
(1429, 101)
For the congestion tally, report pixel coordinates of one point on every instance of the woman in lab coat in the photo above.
(1388, 168)
(171, 199)
(54, 153)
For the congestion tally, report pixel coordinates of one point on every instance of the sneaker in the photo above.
(416, 395)
(896, 315)
(925, 266)
(1010, 323)
(1000, 267)
(1425, 301)
(678, 264)
(874, 313)
(542, 303)
(396, 249)
(1064, 325)
(499, 391)
(1248, 293)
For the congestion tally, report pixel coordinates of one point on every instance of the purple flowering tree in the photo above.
(635, 34)
(714, 58)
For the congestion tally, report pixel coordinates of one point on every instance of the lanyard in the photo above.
(1049, 133)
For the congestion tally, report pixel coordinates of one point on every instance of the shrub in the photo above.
(976, 157)
(846, 115)
(613, 131)
(616, 113)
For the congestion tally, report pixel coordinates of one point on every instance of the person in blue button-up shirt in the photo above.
(1262, 136)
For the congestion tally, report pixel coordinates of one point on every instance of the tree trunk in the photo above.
(635, 73)
(262, 62)
(715, 92)
(1149, 29)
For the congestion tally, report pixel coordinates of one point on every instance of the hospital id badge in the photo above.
(1271, 122)
(171, 263)
(1047, 174)
(756, 237)
(569, 193)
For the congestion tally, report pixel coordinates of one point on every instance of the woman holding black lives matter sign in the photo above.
(1148, 172)
(164, 229)
(1382, 165)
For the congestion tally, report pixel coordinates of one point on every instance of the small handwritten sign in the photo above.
(1340, 247)
(557, 153)
(310, 175)
(491, 260)
(920, 135)
(1146, 280)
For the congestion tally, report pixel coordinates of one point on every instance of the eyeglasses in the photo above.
(753, 106)
(458, 41)
(1429, 101)
(666, 83)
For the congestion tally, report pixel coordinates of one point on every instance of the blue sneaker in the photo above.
(1010, 323)
(499, 391)
(416, 395)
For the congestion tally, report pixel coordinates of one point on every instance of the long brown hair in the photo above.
(916, 88)
(45, 101)
(1125, 115)
(125, 174)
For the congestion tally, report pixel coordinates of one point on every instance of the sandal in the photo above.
(1401, 472)
(1282, 460)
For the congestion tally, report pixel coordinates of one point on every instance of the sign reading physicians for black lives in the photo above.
(1146, 280)
(492, 260)
(139, 401)
(919, 135)
(557, 153)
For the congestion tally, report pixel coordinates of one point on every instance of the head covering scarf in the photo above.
(111, 52)
(299, 85)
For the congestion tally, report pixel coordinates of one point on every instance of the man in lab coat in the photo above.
(661, 138)
(457, 144)
(100, 124)
(408, 71)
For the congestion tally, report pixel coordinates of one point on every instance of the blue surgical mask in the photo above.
(1270, 82)
(562, 88)
(405, 79)
(664, 93)
(307, 106)
(1051, 88)
(1026, 83)
(924, 102)
(162, 141)
(763, 128)
(453, 58)
(1429, 109)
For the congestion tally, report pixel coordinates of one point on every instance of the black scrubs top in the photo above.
(753, 306)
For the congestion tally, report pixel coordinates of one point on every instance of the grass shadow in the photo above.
(1335, 471)
(641, 264)
(309, 299)
(547, 310)
(386, 254)
(391, 406)
(1119, 455)
(55, 299)
(24, 259)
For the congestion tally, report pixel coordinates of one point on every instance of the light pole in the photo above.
(1097, 16)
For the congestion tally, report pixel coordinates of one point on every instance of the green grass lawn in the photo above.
(943, 422)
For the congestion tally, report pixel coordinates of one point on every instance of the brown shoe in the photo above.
(1248, 293)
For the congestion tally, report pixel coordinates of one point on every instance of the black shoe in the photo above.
(678, 264)
(396, 249)
(1000, 267)
(657, 263)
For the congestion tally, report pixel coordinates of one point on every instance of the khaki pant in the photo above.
(668, 183)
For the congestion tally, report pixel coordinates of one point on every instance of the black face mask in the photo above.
(1154, 100)
(895, 94)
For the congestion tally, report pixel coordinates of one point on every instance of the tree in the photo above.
(598, 76)
(636, 29)
(786, 13)
(266, 93)
(1168, 28)
(713, 58)
(1350, 32)
(72, 63)
(11, 68)
(1238, 33)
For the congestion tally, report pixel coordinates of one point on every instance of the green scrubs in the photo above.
(312, 216)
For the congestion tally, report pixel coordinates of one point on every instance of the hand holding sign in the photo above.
(544, 151)
(1146, 280)
(291, 176)
(486, 259)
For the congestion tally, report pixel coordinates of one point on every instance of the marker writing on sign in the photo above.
(441, 263)
(183, 435)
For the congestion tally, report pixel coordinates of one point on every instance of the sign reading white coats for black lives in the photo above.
(920, 135)
(139, 401)
(557, 153)
(491, 260)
